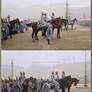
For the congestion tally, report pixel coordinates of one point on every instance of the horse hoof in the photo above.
(33, 40)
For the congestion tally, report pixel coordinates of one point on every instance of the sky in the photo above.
(25, 9)
(72, 3)
(27, 58)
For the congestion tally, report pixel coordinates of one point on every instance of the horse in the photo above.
(67, 82)
(11, 26)
(25, 84)
(56, 23)
(73, 22)
(65, 23)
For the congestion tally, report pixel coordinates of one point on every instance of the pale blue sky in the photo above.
(72, 3)
(38, 57)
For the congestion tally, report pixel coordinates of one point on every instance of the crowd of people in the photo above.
(16, 85)
(17, 27)
(43, 22)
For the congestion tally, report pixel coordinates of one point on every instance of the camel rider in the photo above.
(53, 15)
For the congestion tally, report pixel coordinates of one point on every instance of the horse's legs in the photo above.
(72, 27)
(58, 33)
(10, 33)
(33, 34)
(36, 36)
(68, 89)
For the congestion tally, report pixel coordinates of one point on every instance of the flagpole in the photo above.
(85, 84)
(12, 69)
(66, 9)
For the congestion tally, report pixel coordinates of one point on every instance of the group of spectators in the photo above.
(16, 85)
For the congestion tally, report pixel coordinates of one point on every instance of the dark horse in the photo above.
(73, 22)
(56, 23)
(67, 82)
(11, 26)
(36, 28)
(65, 23)
(25, 84)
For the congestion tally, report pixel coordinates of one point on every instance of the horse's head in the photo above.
(17, 21)
(75, 81)
(75, 20)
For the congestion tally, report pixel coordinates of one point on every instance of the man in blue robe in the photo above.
(52, 77)
(49, 33)
(46, 86)
(57, 86)
(30, 87)
(38, 85)
(44, 23)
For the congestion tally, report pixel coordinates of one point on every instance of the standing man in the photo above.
(46, 86)
(30, 87)
(63, 76)
(57, 86)
(49, 33)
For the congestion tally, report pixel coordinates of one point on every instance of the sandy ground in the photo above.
(77, 90)
(79, 38)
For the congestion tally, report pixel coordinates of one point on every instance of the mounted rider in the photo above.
(53, 15)
(44, 23)
(70, 20)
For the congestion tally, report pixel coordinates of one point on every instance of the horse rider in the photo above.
(70, 20)
(52, 15)
(63, 76)
(56, 76)
(21, 78)
(8, 18)
(52, 77)
(44, 23)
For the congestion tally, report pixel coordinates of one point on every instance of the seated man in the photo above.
(70, 20)
(44, 23)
